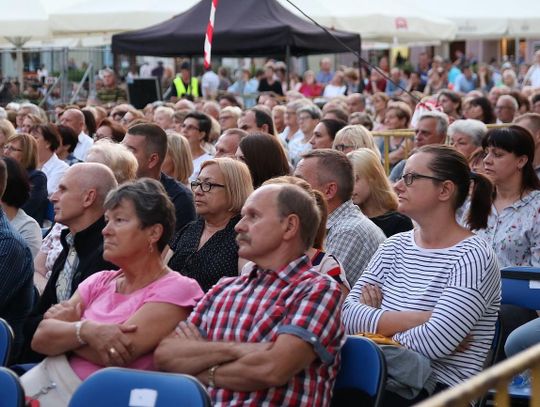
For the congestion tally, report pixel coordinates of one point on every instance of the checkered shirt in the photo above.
(353, 239)
(259, 306)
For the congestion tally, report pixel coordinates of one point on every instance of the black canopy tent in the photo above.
(243, 28)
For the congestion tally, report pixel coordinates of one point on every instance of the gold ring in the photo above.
(112, 351)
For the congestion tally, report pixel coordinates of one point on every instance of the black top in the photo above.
(392, 223)
(36, 205)
(217, 258)
(275, 87)
(89, 247)
(182, 199)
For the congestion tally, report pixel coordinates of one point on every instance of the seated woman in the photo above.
(23, 148)
(325, 133)
(436, 289)
(178, 162)
(16, 194)
(206, 248)
(353, 137)
(466, 136)
(116, 318)
(374, 194)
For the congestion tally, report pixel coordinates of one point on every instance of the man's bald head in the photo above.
(94, 176)
(73, 118)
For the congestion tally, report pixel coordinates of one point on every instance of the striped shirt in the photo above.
(460, 285)
(263, 304)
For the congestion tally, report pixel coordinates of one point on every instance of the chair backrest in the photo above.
(521, 286)
(6, 340)
(11, 390)
(363, 367)
(112, 387)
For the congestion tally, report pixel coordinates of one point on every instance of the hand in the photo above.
(64, 311)
(465, 344)
(187, 331)
(110, 341)
(372, 296)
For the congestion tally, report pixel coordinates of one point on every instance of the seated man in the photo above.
(272, 335)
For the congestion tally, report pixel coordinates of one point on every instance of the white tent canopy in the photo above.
(398, 22)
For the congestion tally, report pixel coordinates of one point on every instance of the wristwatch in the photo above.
(212, 376)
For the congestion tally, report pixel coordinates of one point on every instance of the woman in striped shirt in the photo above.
(435, 289)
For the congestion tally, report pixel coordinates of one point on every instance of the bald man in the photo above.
(78, 204)
(74, 118)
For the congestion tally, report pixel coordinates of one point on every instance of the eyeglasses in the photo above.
(410, 177)
(189, 127)
(205, 185)
(301, 118)
(11, 148)
(342, 147)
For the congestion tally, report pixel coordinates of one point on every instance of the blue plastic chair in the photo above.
(363, 369)
(6, 340)
(516, 286)
(11, 390)
(113, 387)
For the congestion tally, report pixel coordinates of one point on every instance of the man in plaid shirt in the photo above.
(272, 336)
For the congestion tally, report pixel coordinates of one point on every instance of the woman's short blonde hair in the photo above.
(7, 128)
(29, 147)
(357, 136)
(180, 153)
(368, 165)
(117, 157)
(237, 179)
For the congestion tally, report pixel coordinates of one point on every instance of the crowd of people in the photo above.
(238, 236)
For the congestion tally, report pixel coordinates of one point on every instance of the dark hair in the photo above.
(230, 98)
(262, 118)
(118, 131)
(205, 123)
(333, 165)
(487, 110)
(339, 113)
(292, 199)
(264, 157)
(333, 126)
(90, 122)
(449, 164)
(17, 188)
(152, 205)
(50, 134)
(3, 177)
(156, 138)
(521, 99)
(453, 96)
(519, 141)
(69, 137)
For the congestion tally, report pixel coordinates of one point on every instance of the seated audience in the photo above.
(196, 129)
(228, 143)
(353, 137)
(466, 136)
(374, 194)
(325, 133)
(116, 317)
(111, 130)
(206, 249)
(67, 146)
(479, 108)
(440, 296)
(178, 163)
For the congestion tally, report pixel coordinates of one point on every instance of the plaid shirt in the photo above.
(353, 239)
(258, 307)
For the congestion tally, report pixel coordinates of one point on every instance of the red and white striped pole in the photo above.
(209, 35)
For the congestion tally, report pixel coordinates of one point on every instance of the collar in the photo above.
(287, 273)
(87, 240)
(344, 209)
(51, 161)
(525, 200)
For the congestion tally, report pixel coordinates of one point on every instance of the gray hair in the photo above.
(475, 129)
(442, 120)
(312, 110)
(510, 99)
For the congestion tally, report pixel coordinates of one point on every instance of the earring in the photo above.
(150, 247)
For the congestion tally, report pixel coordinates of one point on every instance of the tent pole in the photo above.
(288, 63)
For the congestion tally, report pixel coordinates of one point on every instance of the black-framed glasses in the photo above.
(342, 147)
(410, 177)
(189, 127)
(205, 185)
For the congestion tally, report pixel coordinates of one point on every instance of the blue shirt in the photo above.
(16, 280)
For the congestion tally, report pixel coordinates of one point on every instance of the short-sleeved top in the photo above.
(460, 284)
(260, 305)
(515, 232)
(217, 258)
(103, 304)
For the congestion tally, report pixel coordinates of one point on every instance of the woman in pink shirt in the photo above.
(116, 318)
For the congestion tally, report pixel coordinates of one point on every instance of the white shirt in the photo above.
(533, 75)
(197, 162)
(331, 91)
(54, 169)
(209, 84)
(84, 144)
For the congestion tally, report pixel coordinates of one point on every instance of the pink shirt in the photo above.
(103, 304)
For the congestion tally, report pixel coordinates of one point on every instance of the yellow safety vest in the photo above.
(193, 87)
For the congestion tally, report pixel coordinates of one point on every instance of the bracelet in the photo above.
(78, 327)
(212, 376)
